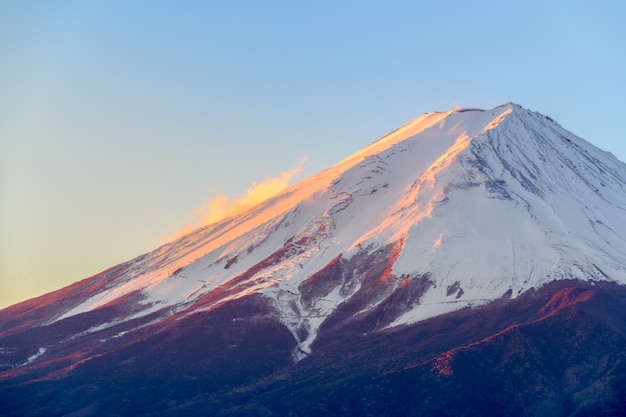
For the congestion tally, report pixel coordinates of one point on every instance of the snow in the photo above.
(33, 357)
(489, 201)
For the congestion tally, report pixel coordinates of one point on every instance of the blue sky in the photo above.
(119, 119)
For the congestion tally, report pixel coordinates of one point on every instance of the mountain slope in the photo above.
(453, 216)
(558, 351)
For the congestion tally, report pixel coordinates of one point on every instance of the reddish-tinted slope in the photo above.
(560, 350)
(469, 263)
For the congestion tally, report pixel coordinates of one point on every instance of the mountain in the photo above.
(470, 262)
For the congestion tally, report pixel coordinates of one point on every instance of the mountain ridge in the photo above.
(427, 189)
(469, 261)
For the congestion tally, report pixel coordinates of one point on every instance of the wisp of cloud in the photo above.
(222, 206)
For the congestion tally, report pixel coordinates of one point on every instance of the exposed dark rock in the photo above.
(556, 351)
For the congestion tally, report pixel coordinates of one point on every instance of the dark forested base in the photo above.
(557, 351)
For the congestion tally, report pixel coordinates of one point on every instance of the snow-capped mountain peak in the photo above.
(460, 208)
(470, 260)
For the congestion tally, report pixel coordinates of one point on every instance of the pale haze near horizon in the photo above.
(120, 120)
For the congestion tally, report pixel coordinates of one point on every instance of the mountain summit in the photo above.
(452, 215)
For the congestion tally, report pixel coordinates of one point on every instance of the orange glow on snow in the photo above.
(437, 242)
